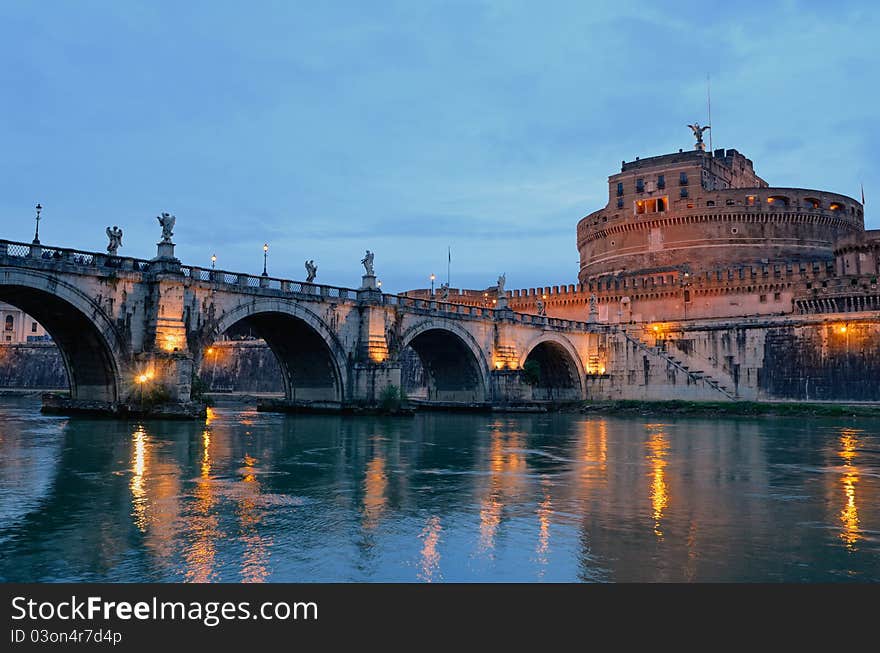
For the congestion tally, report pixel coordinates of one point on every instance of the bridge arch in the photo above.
(91, 348)
(454, 364)
(312, 360)
(561, 371)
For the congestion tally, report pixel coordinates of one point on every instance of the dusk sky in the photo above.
(407, 127)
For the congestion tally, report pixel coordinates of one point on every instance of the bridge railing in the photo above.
(272, 283)
(70, 256)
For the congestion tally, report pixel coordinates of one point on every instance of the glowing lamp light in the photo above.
(149, 375)
(498, 365)
(655, 328)
(210, 350)
(841, 329)
(142, 378)
(601, 370)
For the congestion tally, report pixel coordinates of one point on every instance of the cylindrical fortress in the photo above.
(698, 210)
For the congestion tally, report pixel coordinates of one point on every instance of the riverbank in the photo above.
(747, 408)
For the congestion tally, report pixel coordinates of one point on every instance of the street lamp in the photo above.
(432, 284)
(39, 208)
(213, 261)
(379, 284)
(265, 258)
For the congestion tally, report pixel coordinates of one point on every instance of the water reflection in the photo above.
(430, 556)
(247, 496)
(658, 447)
(375, 486)
(849, 516)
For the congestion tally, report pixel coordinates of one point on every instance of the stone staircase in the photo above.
(695, 375)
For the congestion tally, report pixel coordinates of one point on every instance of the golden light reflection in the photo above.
(658, 446)
(849, 517)
(255, 559)
(203, 523)
(138, 467)
(507, 466)
(430, 558)
(545, 512)
(592, 453)
(375, 488)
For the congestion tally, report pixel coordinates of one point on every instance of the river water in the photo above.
(256, 497)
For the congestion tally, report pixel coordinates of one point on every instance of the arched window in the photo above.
(10, 323)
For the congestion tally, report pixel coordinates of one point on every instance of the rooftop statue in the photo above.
(311, 270)
(115, 236)
(367, 262)
(502, 279)
(698, 134)
(167, 221)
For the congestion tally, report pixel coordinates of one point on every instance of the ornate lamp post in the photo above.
(432, 284)
(39, 208)
(213, 261)
(265, 258)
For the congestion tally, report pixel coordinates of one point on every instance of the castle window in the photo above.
(683, 179)
(653, 205)
(710, 203)
(777, 199)
(33, 327)
(750, 200)
(619, 188)
(687, 296)
(10, 323)
(812, 202)
(684, 192)
(729, 202)
(777, 297)
(661, 181)
(640, 185)
(763, 299)
(620, 202)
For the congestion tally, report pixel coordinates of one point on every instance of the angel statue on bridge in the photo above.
(698, 134)
(115, 236)
(167, 221)
(502, 279)
(311, 270)
(367, 262)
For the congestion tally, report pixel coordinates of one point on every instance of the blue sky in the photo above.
(405, 127)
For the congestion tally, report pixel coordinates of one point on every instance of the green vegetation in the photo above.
(198, 388)
(392, 399)
(678, 407)
(531, 372)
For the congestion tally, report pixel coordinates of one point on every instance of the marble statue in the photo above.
(594, 303)
(367, 262)
(444, 292)
(311, 270)
(115, 236)
(167, 221)
(698, 134)
(542, 308)
(502, 279)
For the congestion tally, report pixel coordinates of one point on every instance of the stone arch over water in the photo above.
(454, 366)
(313, 362)
(560, 369)
(85, 335)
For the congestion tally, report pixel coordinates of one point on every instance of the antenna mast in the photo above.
(709, 111)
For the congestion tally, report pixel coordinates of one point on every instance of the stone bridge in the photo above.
(133, 333)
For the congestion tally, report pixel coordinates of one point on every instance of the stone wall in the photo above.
(35, 365)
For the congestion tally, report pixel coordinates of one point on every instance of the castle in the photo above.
(699, 235)
(717, 285)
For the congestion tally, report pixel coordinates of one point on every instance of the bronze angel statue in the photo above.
(698, 134)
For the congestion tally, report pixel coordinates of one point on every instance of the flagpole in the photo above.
(709, 110)
(448, 263)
